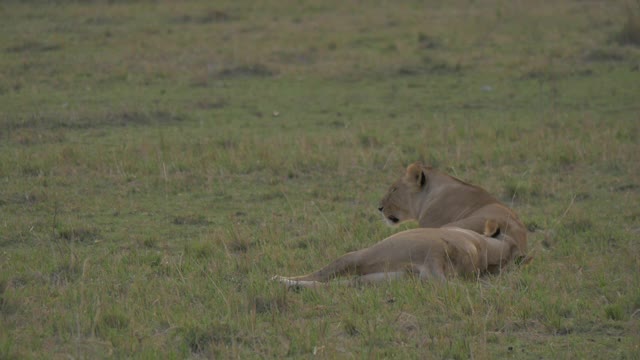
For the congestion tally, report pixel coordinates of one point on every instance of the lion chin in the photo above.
(391, 220)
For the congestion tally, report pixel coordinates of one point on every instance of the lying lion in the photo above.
(429, 253)
(436, 200)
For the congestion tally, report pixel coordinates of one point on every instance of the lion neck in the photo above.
(446, 199)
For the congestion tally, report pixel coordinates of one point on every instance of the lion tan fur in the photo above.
(435, 199)
(428, 253)
(464, 232)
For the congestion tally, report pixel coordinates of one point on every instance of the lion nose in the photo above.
(381, 208)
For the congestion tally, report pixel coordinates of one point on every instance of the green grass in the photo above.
(160, 161)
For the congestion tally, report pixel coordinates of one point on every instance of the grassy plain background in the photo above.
(160, 161)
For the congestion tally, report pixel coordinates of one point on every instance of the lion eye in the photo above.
(393, 189)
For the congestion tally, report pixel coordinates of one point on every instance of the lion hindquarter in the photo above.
(490, 252)
(429, 253)
(466, 252)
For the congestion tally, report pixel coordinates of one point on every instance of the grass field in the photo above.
(160, 161)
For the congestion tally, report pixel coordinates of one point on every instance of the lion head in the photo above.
(399, 202)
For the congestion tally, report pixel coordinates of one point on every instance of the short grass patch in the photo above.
(159, 162)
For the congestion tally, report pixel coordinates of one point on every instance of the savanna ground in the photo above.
(160, 161)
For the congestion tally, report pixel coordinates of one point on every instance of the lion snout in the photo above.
(390, 218)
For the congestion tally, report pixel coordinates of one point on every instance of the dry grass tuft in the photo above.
(630, 32)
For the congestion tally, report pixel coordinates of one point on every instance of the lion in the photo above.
(435, 199)
(426, 253)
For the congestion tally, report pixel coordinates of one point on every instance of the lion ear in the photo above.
(491, 228)
(416, 175)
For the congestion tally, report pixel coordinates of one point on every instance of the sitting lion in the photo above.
(428, 253)
(436, 200)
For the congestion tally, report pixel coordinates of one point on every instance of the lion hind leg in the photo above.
(345, 265)
(363, 279)
(380, 277)
(292, 282)
(431, 271)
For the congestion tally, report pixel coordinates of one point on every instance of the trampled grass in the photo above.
(160, 161)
